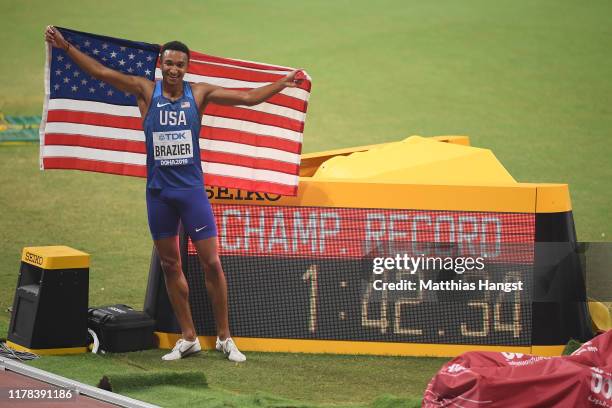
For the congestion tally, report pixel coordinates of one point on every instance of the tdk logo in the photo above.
(172, 136)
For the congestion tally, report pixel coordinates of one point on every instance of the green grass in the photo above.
(529, 80)
(304, 380)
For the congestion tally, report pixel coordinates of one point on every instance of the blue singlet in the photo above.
(172, 131)
(175, 186)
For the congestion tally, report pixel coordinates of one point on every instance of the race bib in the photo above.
(173, 148)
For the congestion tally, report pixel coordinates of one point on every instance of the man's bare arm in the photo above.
(141, 87)
(222, 96)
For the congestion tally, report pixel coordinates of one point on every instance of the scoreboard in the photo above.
(301, 275)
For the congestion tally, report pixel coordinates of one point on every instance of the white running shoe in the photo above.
(228, 347)
(183, 348)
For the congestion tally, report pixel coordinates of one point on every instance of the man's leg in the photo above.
(176, 284)
(216, 286)
(163, 223)
(199, 222)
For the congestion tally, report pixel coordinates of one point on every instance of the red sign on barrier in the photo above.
(356, 232)
(490, 379)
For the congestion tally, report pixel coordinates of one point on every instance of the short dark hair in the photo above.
(176, 46)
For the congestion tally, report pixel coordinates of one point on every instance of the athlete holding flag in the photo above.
(172, 112)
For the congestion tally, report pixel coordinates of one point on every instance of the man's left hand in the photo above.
(294, 79)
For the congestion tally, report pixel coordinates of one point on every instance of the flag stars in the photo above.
(58, 72)
(68, 65)
(96, 51)
(127, 94)
(104, 46)
(74, 88)
(140, 51)
(110, 92)
(66, 80)
(60, 58)
(113, 54)
(131, 56)
(149, 58)
(103, 58)
(130, 70)
(76, 73)
(147, 72)
(87, 43)
(122, 48)
(56, 87)
(83, 81)
(121, 62)
(139, 64)
(92, 89)
(102, 84)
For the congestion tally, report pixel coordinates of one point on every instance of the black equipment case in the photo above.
(120, 328)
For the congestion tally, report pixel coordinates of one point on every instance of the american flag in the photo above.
(89, 125)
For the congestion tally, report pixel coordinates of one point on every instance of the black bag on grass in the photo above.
(120, 328)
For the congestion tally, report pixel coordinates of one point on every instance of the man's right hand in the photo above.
(55, 38)
(140, 87)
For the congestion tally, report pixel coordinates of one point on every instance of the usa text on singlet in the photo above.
(172, 132)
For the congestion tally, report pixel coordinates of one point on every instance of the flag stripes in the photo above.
(89, 125)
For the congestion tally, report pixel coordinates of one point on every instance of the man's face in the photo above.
(173, 66)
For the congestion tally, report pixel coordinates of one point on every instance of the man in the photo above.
(172, 111)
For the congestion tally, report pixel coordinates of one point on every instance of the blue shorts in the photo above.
(166, 207)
